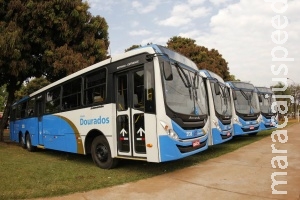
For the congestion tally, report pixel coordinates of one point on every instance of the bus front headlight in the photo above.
(169, 131)
(172, 134)
(217, 125)
(237, 121)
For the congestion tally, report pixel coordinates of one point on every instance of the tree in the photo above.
(135, 46)
(31, 86)
(50, 38)
(205, 59)
(294, 92)
(280, 94)
(232, 78)
(3, 97)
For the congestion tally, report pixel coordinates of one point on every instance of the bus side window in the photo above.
(121, 102)
(53, 100)
(71, 97)
(23, 109)
(30, 107)
(149, 88)
(95, 87)
(97, 98)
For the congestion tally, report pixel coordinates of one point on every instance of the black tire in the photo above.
(101, 153)
(22, 141)
(28, 143)
(252, 134)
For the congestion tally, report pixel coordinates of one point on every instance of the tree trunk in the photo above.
(10, 99)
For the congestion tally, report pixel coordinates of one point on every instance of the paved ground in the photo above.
(242, 174)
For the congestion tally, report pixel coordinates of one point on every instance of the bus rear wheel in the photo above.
(28, 143)
(101, 153)
(22, 141)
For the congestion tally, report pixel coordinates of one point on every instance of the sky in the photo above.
(260, 39)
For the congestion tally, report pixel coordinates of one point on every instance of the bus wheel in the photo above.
(101, 153)
(28, 143)
(252, 134)
(22, 141)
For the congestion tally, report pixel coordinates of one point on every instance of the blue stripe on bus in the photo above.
(239, 131)
(169, 150)
(60, 133)
(217, 138)
(266, 124)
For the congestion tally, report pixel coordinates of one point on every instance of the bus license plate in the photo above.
(196, 143)
(251, 127)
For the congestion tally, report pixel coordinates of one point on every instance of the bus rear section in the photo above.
(220, 111)
(268, 108)
(146, 104)
(245, 108)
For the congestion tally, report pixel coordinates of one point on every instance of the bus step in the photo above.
(40, 146)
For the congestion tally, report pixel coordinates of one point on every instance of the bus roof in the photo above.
(211, 75)
(241, 85)
(264, 90)
(151, 49)
(21, 100)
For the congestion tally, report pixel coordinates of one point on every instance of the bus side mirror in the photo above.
(233, 95)
(167, 69)
(217, 89)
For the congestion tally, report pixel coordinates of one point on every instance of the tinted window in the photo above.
(53, 100)
(71, 97)
(95, 87)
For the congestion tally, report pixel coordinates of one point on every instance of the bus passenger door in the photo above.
(39, 109)
(130, 113)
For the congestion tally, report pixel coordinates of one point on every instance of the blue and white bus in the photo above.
(220, 111)
(266, 98)
(245, 108)
(146, 104)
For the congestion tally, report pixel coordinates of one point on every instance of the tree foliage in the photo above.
(280, 93)
(50, 38)
(232, 78)
(31, 86)
(205, 59)
(133, 47)
(3, 97)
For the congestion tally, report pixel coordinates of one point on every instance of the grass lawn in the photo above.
(48, 173)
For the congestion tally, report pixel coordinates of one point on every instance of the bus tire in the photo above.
(28, 143)
(22, 141)
(101, 153)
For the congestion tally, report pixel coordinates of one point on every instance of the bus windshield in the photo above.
(222, 100)
(185, 94)
(266, 102)
(246, 102)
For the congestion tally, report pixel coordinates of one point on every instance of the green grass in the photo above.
(48, 173)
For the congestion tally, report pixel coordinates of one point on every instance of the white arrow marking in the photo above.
(140, 131)
(123, 132)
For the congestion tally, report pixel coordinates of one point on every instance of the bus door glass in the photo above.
(39, 111)
(130, 113)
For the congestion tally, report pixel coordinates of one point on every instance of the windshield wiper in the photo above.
(244, 95)
(184, 78)
(181, 73)
(249, 99)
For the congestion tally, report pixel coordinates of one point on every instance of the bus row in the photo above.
(150, 104)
